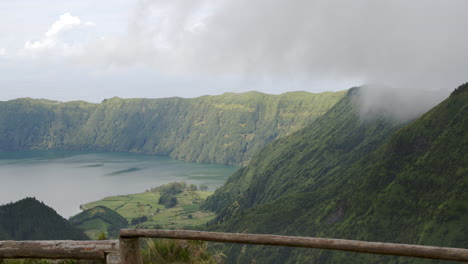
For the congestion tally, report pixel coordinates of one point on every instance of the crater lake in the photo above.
(66, 179)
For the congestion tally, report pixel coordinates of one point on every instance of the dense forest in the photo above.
(350, 177)
(30, 219)
(225, 129)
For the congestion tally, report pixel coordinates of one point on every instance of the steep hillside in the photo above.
(224, 129)
(355, 179)
(29, 219)
(99, 219)
(306, 159)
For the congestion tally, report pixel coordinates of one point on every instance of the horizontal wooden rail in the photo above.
(59, 249)
(443, 253)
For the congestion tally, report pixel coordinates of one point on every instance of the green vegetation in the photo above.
(99, 222)
(180, 251)
(168, 200)
(172, 188)
(343, 176)
(290, 164)
(225, 129)
(149, 211)
(29, 219)
(348, 177)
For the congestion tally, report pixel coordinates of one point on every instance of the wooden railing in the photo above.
(104, 250)
(127, 250)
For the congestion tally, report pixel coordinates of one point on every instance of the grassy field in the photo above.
(187, 213)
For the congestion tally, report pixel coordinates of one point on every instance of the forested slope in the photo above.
(29, 219)
(354, 178)
(224, 129)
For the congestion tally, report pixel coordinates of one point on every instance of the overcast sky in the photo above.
(91, 50)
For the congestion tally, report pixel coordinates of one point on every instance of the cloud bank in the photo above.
(406, 45)
(400, 43)
(410, 46)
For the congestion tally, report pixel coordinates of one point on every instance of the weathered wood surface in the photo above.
(58, 249)
(443, 253)
(130, 251)
(113, 258)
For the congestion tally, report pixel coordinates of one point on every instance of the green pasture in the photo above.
(187, 213)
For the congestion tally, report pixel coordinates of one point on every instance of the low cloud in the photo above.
(408, 47)
(407, 44)
(411, 47)
(3, 52)
(396, 103)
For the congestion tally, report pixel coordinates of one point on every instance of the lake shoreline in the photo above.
(66, 179)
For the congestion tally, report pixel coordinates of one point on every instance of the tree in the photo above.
(203, 187)
(168, 200)
(102, 236)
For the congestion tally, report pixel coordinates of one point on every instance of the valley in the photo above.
(345, 175)
(234, 132)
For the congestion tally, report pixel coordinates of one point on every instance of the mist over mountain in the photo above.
(397, 103)
(165, 48)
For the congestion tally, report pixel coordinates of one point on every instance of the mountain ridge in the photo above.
(225, 129)
(171, 97)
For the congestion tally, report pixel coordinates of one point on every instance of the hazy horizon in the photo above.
(252, 91)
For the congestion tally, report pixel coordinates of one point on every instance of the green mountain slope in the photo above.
(29, 219)
(356, 179)
(224, 129)
(99, 219)
(307, 159)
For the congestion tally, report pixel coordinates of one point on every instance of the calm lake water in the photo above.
(64, 179)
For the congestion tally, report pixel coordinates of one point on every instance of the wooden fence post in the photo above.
(130, 251)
